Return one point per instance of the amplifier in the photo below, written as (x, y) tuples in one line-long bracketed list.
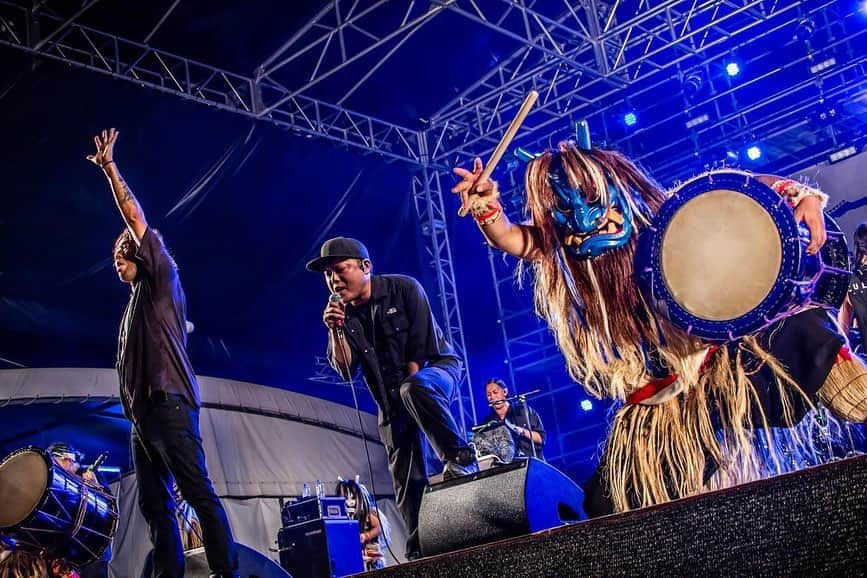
[(321, 548), (313, 508)]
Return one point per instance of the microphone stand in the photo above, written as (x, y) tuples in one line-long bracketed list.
[(522, 397)]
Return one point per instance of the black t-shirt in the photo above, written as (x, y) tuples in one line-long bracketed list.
[(518, 416), (858, 298), (151, 347)]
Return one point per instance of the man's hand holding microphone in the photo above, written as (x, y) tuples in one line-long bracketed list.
[(335, 312)]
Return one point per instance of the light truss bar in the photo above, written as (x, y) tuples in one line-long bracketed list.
[(473, 126), (316, 56), (143, 65)]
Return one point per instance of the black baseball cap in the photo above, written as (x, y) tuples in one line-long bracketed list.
[(337, 249)]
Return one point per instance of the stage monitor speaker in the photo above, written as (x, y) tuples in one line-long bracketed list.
[(520, 498), (251, 564), (323, 548)]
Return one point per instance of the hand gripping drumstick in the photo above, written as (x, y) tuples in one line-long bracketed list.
[(528, 103)]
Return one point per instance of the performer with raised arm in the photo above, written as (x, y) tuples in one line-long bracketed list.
[(689, 411), (158, 387), (384, 324)]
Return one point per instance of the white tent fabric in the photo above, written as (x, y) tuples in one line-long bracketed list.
[(261, 444), (255, 523)]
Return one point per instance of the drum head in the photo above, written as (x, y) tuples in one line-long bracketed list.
[(721, 255), (23, 479)]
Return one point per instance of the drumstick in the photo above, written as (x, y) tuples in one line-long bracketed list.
[(510, 133)]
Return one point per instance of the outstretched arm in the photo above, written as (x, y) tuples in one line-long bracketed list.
[(518, 240), (129, 207)]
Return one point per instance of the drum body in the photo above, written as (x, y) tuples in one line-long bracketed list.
[(725, 258), (46, 510), (496, 441)]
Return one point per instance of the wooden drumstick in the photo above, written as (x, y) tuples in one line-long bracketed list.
[(510, 133)]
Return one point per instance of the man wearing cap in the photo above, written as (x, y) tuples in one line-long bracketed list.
[(384, 324)]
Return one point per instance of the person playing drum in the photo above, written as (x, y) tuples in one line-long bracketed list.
[(522, 421), (688, 409), (69, 459)]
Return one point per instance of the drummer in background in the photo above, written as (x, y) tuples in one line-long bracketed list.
[(514, 417), (69, 459), (855, 305)]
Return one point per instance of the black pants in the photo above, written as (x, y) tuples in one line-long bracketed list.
[(806, 344), (423, 406), (166, 444)]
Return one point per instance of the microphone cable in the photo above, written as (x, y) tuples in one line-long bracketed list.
[(340, 338)]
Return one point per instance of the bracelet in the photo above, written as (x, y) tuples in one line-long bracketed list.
[(795, 192), (105, 164), (491, 216)]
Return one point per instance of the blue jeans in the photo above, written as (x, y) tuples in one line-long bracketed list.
[(166, 444), (421, 405)]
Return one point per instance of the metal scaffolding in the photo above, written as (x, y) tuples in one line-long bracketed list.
[(588, 59)]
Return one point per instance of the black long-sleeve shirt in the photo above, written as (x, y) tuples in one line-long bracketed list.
[(394, 327)]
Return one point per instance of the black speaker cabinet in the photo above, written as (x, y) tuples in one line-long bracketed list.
[(321, 548), (520, 498)]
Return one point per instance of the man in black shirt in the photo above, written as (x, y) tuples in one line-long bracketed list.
[(384, 324), (514, 417), (158, 387)]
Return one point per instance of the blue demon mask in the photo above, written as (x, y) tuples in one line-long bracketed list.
[(582, 226)]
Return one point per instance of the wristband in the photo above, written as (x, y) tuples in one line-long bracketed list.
[(795, 192)]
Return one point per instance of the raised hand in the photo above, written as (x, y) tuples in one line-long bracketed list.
[(104, 147), (476, 195)]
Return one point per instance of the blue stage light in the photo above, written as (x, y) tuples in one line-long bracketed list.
[(863, 8), (733, 69), (754, 153), (630, 118), (586, 404)]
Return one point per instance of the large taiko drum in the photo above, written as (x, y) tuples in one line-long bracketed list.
[(725, 258), (48, 511)]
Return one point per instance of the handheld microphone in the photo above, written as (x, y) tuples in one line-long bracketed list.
[(98, 462), (335, 298)]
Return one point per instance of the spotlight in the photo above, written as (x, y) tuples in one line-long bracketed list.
[(823, 65), (586, 404), (754, 153), (863, 8), (733, 69), (630, 119), (805, 29), (692, 84), (697, 120), (842, 154)]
